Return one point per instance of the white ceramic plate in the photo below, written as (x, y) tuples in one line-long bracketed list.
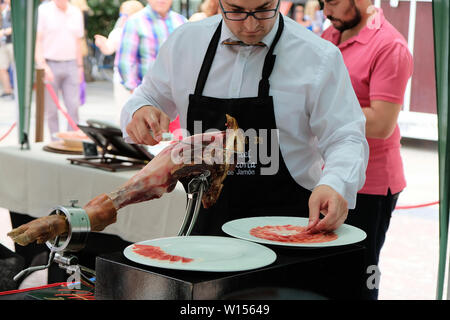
[(213, 254), (240, 228)]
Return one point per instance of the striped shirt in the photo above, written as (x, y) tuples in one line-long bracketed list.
[(142, 37)]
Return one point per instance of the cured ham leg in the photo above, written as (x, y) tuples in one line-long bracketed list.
[(214, 151)]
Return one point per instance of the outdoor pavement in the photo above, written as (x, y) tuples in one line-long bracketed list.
[(409, 259)]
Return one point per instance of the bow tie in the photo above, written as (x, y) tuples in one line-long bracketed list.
[(240, 43)]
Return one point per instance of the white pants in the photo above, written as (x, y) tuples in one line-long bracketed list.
[(66, 81), (121, 95)]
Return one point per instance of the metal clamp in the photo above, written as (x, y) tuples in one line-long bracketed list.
[(73, 241), (79, 228), (196, 187)]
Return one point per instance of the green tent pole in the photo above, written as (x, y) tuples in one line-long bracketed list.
[(24, 19), (441, 13)]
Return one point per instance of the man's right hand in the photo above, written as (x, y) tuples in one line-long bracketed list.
[(49, 77), (145, 119), (102, 43)]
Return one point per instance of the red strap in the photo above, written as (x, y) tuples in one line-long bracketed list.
[(417, 205), (8, 132), (56, 101), (34, 288)]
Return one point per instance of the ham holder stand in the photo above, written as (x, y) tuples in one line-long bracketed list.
[(335, 272), (62, 247)]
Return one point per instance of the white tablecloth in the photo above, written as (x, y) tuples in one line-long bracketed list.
[(35, 181)]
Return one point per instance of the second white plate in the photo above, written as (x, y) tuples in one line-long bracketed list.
[(208, 253), (240, 228)]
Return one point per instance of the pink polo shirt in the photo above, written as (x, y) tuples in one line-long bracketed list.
[(379, 64), (60, 30)]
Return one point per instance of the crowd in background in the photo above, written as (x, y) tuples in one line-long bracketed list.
[(132, 56), (310, 16)]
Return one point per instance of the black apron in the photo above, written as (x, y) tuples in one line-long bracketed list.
[(245, 194)]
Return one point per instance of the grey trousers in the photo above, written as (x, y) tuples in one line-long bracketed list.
[(67, 83)]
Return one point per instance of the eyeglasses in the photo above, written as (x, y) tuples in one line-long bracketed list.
[(242, 15)]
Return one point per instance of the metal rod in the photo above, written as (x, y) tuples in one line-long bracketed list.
[(196, 187), (196, 209), (36, 268), (188, 215)]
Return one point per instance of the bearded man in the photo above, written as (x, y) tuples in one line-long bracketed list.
[(379, 64)]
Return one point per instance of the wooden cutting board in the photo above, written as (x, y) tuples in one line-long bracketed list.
[(60, 147)]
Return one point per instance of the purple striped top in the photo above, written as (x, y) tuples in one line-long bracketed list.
[(142, 36)]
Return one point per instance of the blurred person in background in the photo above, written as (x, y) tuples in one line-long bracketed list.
[(142, 37), (208, 8), (299, 16), (60, 31), (111, 45), (84, 7), (6, 48), (314, 15), (379, 63)]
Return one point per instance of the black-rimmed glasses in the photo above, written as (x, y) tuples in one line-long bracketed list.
[(257, 14)]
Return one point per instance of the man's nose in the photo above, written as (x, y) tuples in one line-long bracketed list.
[(251, 23), (326, 10)]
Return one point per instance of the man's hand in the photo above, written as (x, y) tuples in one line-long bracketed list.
[(102, 43), (49, 77), (331, 204), (81, 73), (145, 119)]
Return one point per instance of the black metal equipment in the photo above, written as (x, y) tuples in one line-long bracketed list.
[(62, 247), (116, 154)]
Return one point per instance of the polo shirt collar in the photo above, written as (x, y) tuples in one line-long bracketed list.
[(155, 15), (365, 34), (55, 7)]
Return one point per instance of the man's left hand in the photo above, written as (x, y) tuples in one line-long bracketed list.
[(331, 204), (80, 74)]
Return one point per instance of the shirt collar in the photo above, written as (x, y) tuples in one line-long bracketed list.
[(55, 7), (155, 15), (365, 34), (227, 35)]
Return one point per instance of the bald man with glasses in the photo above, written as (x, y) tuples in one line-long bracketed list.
[(270, 74)]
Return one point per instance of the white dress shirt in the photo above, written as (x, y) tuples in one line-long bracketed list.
[(321, 125)]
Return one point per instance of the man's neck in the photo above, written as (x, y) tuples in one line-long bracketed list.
[(161, 14), (349, 33), (63, 9)]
